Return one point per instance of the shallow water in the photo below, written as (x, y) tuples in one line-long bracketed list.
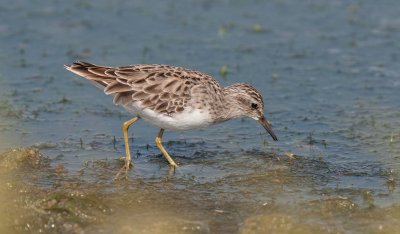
[(330, 78)]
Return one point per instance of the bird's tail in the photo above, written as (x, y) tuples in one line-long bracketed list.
[(97, 74)]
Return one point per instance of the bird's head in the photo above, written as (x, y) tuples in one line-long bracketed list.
[(248, 102)]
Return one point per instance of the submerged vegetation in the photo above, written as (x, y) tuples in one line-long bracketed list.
[(40, 196), (328, 71)]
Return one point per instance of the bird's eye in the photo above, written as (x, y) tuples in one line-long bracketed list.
[(254, 105)]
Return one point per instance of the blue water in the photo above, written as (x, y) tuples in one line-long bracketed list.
[(328, 71)]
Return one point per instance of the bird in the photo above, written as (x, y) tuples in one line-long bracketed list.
[(172, 98)]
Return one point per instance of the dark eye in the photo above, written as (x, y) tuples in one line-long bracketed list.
[(254, 105)]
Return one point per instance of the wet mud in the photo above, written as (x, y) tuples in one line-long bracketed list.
[(329, 74)]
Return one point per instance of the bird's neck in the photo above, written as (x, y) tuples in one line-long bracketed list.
[(231, 105)]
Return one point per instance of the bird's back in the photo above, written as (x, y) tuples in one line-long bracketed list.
[(161, 88)]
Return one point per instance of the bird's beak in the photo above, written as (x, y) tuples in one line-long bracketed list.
[(264, 122)]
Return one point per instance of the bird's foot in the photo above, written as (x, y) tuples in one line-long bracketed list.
[(124, 170)]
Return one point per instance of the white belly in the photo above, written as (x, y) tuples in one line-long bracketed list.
[(185, 120)]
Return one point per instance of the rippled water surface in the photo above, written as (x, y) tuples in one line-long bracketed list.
[(330, 77)]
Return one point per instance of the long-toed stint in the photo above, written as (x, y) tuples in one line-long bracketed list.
[(173, 98)]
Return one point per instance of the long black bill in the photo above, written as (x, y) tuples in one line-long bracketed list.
[(263, 121)]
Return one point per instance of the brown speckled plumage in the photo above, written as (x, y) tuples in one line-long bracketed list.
[(163, 88), (170, 90), (173, 98)]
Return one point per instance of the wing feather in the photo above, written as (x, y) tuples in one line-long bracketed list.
[(162, 88), (117, 87)]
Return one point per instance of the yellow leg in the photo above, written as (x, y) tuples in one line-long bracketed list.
[(163, 151), (125, 127)]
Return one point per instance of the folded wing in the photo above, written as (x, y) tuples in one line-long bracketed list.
[(162, 88)]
